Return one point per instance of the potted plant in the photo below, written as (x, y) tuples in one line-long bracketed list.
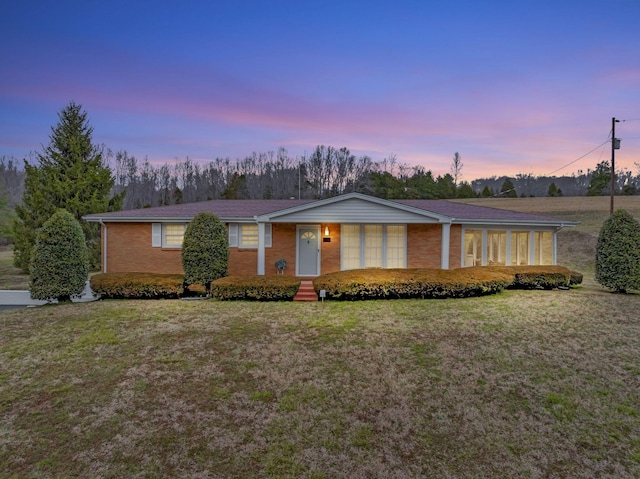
[(281, 265)]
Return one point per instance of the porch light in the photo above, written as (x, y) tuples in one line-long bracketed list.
[(326, 231)]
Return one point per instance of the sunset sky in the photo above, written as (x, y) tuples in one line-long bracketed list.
[(517, 86)]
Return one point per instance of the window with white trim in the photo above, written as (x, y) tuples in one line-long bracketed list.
[(245, 235), (248, 237), (472, 247), (173, 234), (520, 248), (396, 246), (496, 247), (373, 246), (543, 243)]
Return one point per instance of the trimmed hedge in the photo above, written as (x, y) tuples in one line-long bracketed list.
[(377, 283), (539, 277), (411, 283), (255, 288), (138, 285)]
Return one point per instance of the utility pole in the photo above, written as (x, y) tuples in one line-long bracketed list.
[(615, 144)]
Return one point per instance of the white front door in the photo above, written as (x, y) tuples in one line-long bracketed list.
[(308, 251)]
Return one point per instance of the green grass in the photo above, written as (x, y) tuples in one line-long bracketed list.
[(518, 385), (10, 276)]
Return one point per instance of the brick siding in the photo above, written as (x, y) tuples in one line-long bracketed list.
[(129, 250)]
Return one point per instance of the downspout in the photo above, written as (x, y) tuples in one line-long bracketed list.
[(104, 246)]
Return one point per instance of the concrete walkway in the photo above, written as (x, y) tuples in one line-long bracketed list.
[(10, 299)]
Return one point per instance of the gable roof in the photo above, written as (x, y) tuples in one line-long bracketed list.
[(351, 207)]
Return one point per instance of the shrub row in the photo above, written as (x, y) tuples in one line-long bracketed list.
[(345, 285), (256, 288), (539, 277), (138, 285), (411, 283), (436, 283)]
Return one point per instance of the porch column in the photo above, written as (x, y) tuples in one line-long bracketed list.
[(446, 239), (261, 249)]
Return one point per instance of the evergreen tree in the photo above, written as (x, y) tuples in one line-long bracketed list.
[(465, 191), (59, 265), (486, 192), (205, 250), (508, 190), (70, 174), (600, 180), (618, 253), (553, 190)]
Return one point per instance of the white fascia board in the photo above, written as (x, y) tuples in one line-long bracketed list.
[(516, 223)]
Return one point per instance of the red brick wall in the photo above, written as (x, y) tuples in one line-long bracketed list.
[(243, 262), (330, 251), (283, 239), (129, 250), (423, 245), (455, 246)]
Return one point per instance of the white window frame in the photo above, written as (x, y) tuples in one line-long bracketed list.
[(363, 244), (236, 235), (165, 243), (530, 255)]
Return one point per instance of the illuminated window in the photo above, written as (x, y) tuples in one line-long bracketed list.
[(543, 247), (473, 247), (173, 235), (497, 247), (350, 241), (520, 248), (243, 235), (248, 236), (396, 246), (373, 246)]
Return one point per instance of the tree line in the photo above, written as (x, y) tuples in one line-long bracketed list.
[(73, 173), (326, 172)]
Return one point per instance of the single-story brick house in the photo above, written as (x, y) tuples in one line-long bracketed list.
[(340, 233)]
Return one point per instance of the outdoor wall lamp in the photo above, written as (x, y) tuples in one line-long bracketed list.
[(326, 230)]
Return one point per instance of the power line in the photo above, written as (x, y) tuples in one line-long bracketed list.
[(578, 159)]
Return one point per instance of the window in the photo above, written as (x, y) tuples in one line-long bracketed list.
[(543, 247), (396, 246), (497, 247), (243, 235), (520, 248), (473, 247), (507, 247), (173, 234), (248, 236), (373, 246), (350, 240)]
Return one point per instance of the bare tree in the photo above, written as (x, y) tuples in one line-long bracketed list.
[(456, 168)]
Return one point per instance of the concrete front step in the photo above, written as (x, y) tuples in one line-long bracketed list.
[(306, 292)]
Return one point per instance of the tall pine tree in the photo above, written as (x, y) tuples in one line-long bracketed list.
[(72, 174)]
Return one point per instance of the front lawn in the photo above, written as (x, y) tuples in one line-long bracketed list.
[(524, 384)]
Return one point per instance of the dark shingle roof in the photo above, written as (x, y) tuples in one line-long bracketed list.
[(229, 210), (221, 208), (472, 212)]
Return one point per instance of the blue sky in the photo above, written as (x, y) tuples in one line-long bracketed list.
[(514, 86)]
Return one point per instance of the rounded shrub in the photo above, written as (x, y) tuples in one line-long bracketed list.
[(618, 253), (60, 262), (205, 250)]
